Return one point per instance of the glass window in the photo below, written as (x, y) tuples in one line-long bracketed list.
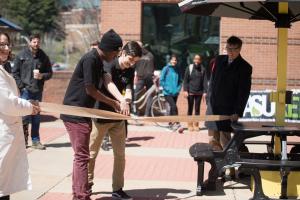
[(166, 30)]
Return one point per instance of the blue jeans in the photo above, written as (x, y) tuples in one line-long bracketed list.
[(33, 119)]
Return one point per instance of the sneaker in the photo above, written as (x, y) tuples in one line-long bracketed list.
[(120, 195), (38, 145), (229, 174), (175, 126), (180, 130)]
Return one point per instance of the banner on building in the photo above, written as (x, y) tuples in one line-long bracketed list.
[(259, 107)]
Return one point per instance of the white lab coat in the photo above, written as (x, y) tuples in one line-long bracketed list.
[(14, 167)]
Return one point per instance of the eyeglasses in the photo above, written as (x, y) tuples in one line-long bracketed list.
[(4, 45), (231, 49)]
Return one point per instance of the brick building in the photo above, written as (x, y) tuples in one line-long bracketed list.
[(133, 20), (260, 38)]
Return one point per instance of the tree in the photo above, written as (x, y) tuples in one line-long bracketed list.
[(35, 16)]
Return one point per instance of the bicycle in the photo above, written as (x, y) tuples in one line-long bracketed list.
[(159, 105)]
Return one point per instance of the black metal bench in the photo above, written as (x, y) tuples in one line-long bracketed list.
[(252, 167), (231, 154), (269, 144), (260, 142), (202, 152)]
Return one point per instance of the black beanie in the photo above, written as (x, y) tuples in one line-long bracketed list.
[(110, 41)]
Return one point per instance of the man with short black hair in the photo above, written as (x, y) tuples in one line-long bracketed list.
[(31, 69), (83, 91), (228, 92)]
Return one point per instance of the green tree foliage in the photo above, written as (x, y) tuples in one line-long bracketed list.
[(35, 15)]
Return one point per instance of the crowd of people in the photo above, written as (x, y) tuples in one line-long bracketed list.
[(104, 79)]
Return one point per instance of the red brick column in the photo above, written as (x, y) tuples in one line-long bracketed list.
[(55, 88), (123, 16), (260, 46)]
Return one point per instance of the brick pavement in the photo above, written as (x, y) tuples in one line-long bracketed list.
[(158, 166)]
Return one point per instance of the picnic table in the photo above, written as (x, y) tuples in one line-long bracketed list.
[(251, 163)]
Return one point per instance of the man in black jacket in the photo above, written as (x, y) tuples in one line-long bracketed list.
[(228, 92), (31, 69)]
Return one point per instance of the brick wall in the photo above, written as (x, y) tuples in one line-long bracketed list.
[(123, 16), (55, 88), (259, 49), (260, 37)]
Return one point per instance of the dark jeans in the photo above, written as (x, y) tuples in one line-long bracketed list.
[(80, 137), (194, 100), (172, 101), (4, 198), (33, 119), (141, 83)]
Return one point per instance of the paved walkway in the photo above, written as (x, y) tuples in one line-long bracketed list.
[(158, 167)]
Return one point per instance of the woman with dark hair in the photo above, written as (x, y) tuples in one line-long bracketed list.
[(170, 80), (13, 157), (119, 82), (194, 87), (6, 64)]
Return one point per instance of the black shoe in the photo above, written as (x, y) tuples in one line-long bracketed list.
[(4, 198), (209, 186), (120, 195)]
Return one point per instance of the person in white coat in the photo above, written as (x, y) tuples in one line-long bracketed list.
[(13, 157)]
